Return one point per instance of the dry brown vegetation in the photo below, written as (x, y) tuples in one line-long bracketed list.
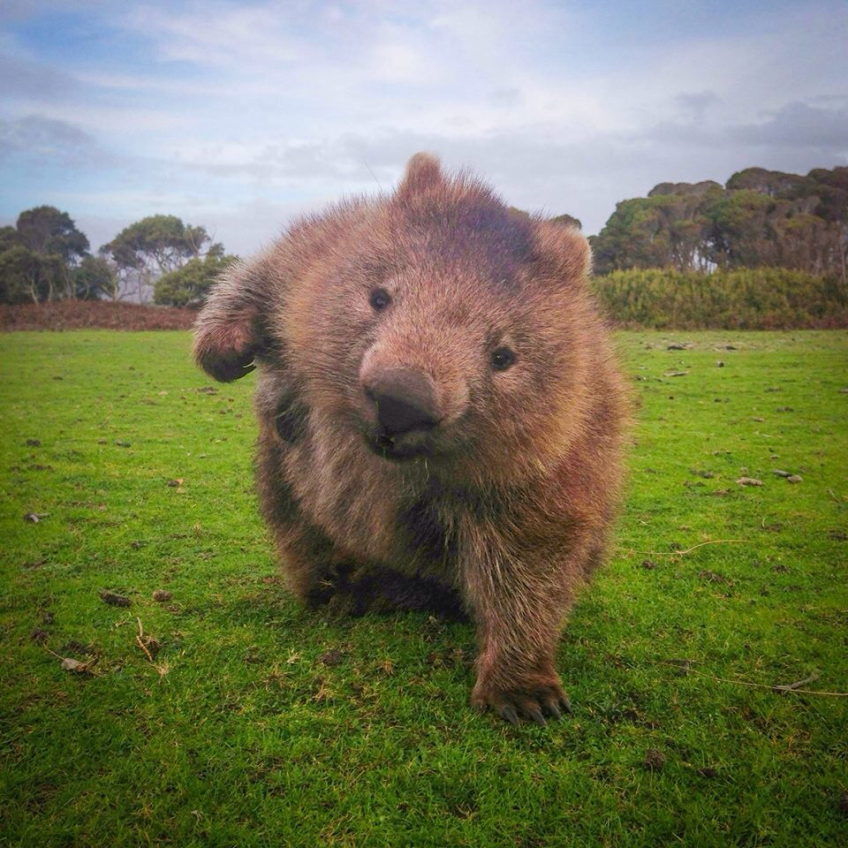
[(87, 315)]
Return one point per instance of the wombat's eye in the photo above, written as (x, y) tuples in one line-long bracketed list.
[(380, 299), (502, 358)]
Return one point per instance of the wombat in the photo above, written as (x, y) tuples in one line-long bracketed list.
[(440, 416)]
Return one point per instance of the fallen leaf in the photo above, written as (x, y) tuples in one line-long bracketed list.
[(77, 667), (162, 595)]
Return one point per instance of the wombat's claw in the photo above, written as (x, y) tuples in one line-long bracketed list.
[(536, 714), (534, 702), (508, 712), (558, 705)]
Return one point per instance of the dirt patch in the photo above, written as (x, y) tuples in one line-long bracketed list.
[(88, 315)]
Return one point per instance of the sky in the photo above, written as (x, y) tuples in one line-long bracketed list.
[(240, 116)]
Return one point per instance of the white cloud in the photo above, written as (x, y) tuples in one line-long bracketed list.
[(245, 111)]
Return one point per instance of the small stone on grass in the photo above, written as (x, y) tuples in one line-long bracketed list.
[(114, 599), (39, 635), (654, 759)]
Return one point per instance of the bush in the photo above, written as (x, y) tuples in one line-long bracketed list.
[(748, 298), (189, 285)]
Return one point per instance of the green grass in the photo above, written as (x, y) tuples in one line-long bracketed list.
[(249, 738)]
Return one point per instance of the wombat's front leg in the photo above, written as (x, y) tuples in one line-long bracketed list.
[(518, 606)]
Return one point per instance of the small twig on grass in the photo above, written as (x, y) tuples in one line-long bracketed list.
[(689, 550), (781, 689), (140, 641), (788, 687), (145, 643)]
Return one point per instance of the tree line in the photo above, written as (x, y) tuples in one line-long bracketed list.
[(45, 257), (758, 219)]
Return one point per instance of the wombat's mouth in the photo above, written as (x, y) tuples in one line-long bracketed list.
[(400, 447)]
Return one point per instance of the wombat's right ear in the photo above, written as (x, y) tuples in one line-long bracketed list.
[(423, 172), (230, 330), (566, 249)]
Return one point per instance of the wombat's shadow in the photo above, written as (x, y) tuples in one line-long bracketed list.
[(273, 606)]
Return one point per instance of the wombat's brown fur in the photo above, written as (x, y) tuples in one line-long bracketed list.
[(440, 415)]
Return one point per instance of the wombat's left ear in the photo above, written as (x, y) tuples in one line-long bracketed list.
[(423, 172), (230, 330), (566, 248)]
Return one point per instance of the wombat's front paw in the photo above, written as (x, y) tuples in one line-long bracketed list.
[(534, 699)]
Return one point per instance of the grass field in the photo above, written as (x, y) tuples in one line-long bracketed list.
[(256, 724)]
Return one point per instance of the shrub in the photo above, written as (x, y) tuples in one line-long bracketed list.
[(748, 298), (189, 285)]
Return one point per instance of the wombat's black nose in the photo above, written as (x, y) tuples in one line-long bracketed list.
[(404, 398)]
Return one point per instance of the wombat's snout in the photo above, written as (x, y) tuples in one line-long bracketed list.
[(405, 400)]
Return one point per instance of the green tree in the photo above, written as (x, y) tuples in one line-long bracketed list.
[(27, 275), (46, 230), (39, 255), (95, 278), (189, 285), (761, 218), (153, 247), (9, 238)]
